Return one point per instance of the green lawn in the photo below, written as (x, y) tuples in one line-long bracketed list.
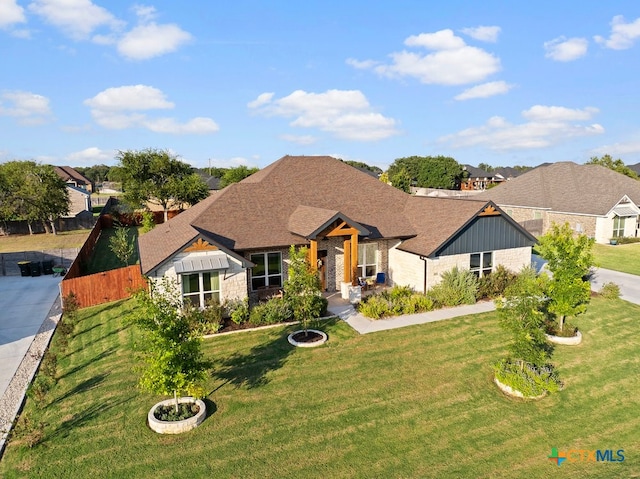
[(624, 257), (408, 403), (103, 258), (39, 242)]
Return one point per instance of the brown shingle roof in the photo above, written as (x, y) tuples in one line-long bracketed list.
[(268, 208), (67, 174), (566, 187), (436, 220)]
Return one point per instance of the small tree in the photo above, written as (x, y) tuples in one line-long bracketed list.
[(121, 245), (172, 349), (521, 313), (570, 259), (302, 289)]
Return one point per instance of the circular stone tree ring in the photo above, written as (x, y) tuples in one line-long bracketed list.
[(309, 339), (177, 427)]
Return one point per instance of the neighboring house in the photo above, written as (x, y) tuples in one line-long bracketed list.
[(235, 243), (74, 178), (79, 201), (505, 173), (478, 179), (594, 200)]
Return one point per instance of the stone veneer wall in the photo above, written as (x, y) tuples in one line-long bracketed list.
[(578, 223), (233, 281)]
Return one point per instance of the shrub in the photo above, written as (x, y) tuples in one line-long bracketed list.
[(417, 303), (71, 307), (204, 321), (493, 285), (238, 310), (49, 364), (610, 291), (527, 378), (28, 432), (39, 388), (274, 311), (628, 240), (147, 222), (458, 286), (375, 307)]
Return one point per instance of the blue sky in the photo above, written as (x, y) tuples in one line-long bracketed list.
[(247, 82)]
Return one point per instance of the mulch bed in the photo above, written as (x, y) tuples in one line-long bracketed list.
[(308, 337)]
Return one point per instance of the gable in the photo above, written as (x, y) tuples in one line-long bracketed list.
[(485, 233)]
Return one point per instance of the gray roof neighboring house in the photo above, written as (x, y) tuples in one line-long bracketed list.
[(477, 172), (70, 175), (566, 187)]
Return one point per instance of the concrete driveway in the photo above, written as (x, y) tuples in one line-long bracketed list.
[(24, 305), (629, 283)]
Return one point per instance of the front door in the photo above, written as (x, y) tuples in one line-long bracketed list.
[(322, 268)]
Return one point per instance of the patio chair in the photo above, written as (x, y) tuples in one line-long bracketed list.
[(381, 279)]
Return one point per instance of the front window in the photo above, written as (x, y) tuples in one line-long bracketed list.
[(201, 288), (618, 226), (481, 264), (267, 272), (367, 264)]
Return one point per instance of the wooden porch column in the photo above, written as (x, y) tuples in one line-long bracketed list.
[(346, 277), (354, 258), (313, 255)]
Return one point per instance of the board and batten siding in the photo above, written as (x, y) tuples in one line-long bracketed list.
[(485, 233)]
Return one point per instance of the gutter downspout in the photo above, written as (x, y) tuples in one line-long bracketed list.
[(424, 286)]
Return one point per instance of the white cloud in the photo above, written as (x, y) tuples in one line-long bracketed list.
[(483, 33), (565, 50), (547, 126), (299, 139), (124, 107), (485, 90), (345, 114), (29, 108), (452, 63), (262, 99), (361, 65), (11, 13), (76, 18), (618, 149), (442, 40), (558, 113), (134, 97), (91, 156), (623, 35), (152, 40), (81, 20)]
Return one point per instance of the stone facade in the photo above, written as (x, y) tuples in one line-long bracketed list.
[(233, 281)]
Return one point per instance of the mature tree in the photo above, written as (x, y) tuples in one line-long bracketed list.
[(96, 173), (401, 180), (616, 165), (32, 192), (234, 175), (363, 166), (486, 167), (429, 171), (158, 177), (569, 258)]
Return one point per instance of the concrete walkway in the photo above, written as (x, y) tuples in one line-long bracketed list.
[(345, 311)]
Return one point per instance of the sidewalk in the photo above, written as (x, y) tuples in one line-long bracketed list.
[(345, 311)]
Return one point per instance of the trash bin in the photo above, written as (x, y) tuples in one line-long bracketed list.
[(25, 268), (36, 269), (47, 267)]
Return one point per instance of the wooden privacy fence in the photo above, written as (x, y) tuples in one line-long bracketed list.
[(103, 287)]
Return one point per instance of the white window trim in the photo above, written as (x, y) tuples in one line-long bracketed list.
[(622, 223), (266, 274), (362, 268), (480, 269), (200, 293)]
